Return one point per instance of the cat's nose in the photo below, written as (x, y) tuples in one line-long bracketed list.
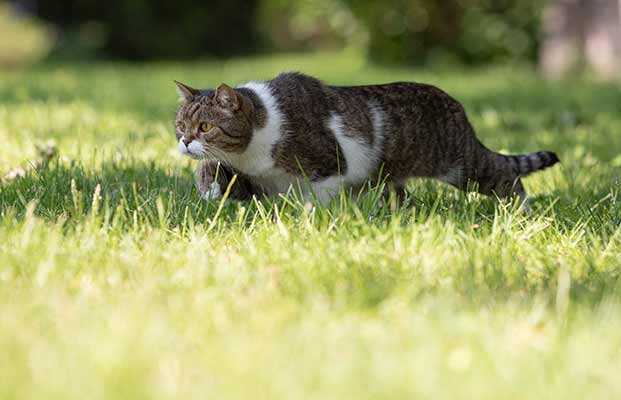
[(187, 140)]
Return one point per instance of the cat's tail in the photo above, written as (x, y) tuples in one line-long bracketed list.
[(525, 164)]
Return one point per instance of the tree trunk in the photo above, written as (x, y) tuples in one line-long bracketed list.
[(581, 34)]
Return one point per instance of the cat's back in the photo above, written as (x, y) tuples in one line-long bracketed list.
[(303, 97), (300, 96), (295, 83), (396, 95)]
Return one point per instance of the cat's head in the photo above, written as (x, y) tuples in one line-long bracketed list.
[(212, 123)]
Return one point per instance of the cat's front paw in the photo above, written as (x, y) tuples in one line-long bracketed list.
[(213, 192)]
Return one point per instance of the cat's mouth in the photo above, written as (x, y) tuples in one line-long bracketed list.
[(193, 149)]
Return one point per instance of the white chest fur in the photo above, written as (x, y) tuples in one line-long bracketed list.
[(256, 161)]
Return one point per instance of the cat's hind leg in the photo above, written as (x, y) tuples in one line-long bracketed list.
[(511, 187), (498, 177), (491, 174), (501, 174)]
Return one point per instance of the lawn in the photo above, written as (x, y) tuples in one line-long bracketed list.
[(118, 282)]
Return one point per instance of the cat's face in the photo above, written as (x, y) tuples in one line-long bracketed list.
[(210, 124)]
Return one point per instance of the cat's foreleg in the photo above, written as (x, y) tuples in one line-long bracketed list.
[(208, 182), (213, 180)]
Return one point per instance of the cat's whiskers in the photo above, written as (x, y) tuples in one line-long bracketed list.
[(196, 150), (294, 128), (218, 155)]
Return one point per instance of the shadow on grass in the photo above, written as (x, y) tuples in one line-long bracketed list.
[(130, 188), (138, 195), (145, 192)]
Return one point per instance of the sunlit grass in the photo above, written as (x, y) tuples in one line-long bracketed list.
[(117, 281)]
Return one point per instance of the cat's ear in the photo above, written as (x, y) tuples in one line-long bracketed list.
[(227, 97), (185, 92)]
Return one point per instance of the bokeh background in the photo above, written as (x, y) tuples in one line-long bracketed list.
[(563, 37), (117, 281)]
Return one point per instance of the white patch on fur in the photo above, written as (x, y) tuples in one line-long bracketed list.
[(213, 193), (452, 176), (183, 149), (277, 181), (327, 188), (196, 149), (256, 161), (257, 158), (362, 159)]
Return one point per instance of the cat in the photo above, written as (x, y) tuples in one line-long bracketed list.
[(296, 130)]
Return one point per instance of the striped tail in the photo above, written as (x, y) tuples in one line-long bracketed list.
[(526, 164)]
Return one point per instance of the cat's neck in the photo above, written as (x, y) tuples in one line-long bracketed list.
[(256, 159), (259, 114)]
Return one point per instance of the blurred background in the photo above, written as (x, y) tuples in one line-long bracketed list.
[(562, 37)]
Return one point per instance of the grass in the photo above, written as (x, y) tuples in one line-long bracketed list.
[(116, 281)]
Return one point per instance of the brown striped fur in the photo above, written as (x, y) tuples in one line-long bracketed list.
[(425, 133)]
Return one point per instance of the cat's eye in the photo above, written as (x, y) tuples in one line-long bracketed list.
[(205, 127)]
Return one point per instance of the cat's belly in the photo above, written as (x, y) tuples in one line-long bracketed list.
[(275, 181), (278, 181)]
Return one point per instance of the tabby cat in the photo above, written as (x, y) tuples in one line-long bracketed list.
[(296, 130)]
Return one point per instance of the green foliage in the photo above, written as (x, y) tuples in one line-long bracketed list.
[(470, 31), (140, 29), (22, 39), (306, 24), (117, 281), (394, 31)]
